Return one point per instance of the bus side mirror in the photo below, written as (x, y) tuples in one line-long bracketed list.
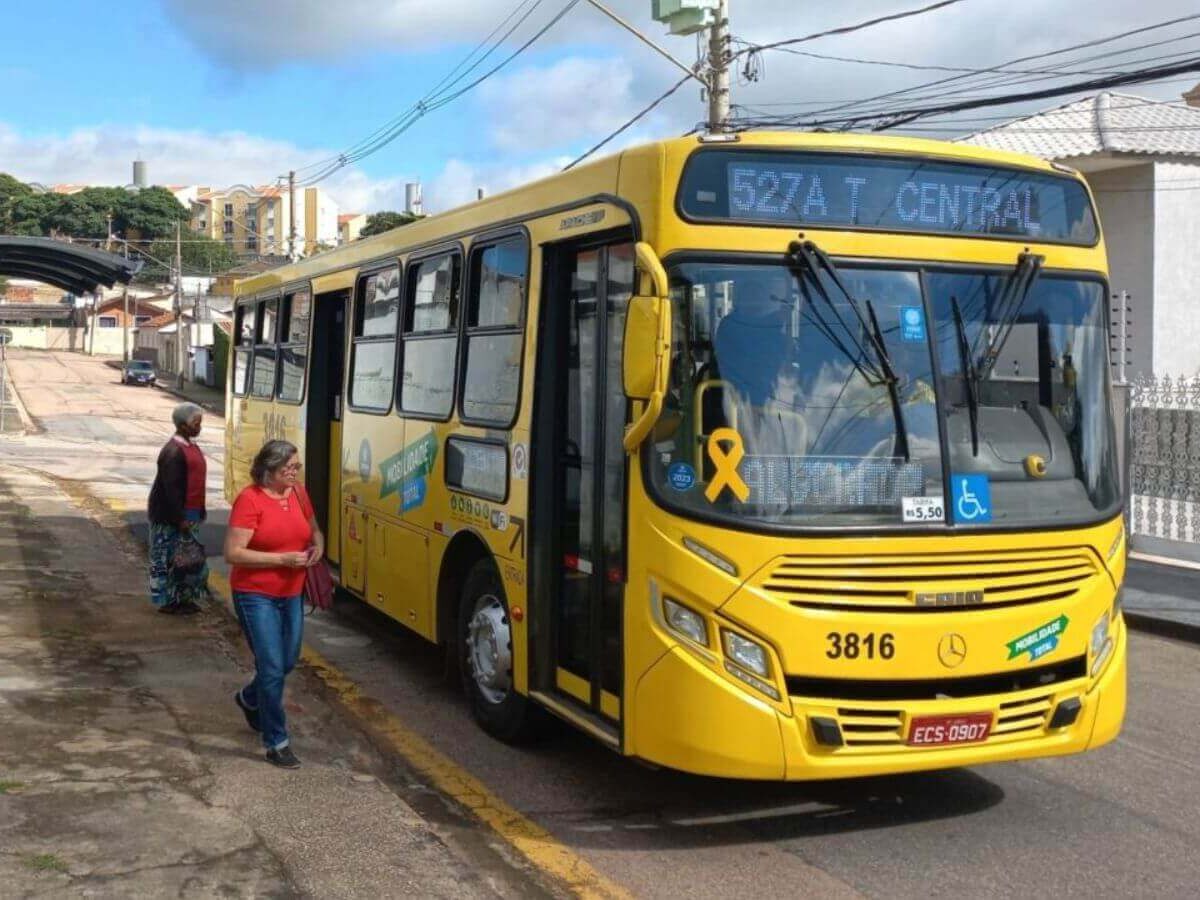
[(647, 347)]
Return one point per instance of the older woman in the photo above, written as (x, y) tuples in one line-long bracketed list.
[(273, 537), (176, 510)]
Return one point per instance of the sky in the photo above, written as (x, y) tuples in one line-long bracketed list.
[(220, 92)]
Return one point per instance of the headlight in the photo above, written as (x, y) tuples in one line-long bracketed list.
[(1099, 635), (1101, 644), (746, 653), (684, 621)]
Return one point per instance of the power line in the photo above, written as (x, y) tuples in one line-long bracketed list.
[(907, 92), (431, 101), (847, 29), (680, 83), (449, 77)]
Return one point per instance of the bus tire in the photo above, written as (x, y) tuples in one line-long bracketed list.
[(485, 656)]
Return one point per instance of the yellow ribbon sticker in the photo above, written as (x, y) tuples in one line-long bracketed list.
[(726, 463)]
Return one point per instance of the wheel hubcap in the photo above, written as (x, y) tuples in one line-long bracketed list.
[(489, 648)]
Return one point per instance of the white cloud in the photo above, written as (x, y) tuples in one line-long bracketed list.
[(104, 156), (459, 180), (552, 106)]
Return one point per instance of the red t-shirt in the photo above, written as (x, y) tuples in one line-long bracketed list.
[(197, 474), (279, 527)]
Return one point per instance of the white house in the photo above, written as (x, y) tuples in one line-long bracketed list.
[(1142, 160)]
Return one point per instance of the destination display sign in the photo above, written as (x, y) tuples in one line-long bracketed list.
[(908, 194)]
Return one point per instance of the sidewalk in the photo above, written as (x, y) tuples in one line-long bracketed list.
[(1163, 599), (126, 770)]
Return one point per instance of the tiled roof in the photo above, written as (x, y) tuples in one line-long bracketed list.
[(347, 217), (1104, 123), (167, 318)]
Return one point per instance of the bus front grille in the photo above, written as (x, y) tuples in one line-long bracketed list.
[(929, 583), (878, 728), (801, 688)]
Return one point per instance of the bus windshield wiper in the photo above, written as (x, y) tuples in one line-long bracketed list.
[(970, 376), (1007, 309), (812, 261)]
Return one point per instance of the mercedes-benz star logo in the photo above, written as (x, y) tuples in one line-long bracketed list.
[(952, 650)]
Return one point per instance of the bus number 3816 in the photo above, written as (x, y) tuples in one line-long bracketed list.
[(848, 645)]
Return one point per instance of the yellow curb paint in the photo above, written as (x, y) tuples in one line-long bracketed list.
[(532, 841)]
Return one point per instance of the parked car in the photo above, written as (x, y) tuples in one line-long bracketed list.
[(138, 371)]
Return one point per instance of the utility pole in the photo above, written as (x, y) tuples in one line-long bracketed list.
[(180, 349), (92, 330), (125, 321), (292, 215), (718, 62), (125, 327)]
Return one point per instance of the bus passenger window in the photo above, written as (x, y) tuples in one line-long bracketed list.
[(373, 355), (431, 337), (293, 345), (263, 382), (243, 337), (495, 318)]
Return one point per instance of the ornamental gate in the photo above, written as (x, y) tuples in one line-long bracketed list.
[(1163, 460)]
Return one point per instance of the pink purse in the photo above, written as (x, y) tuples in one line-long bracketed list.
[(318, 581), (318, 586)]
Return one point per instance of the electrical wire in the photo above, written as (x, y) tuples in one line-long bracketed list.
[(432, 101), (450, 78), (847, 29), (907, 93), (680, 83)]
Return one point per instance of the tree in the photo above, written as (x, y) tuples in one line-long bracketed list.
[(378, 223), (152, 213), (11, 191), (201, 254)]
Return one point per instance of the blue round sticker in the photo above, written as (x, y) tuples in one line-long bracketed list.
[(681, 476)]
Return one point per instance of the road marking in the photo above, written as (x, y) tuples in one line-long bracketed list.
[(532, 841), (752, 815)]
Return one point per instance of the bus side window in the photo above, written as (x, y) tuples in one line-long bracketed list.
[(495, 332), (243, 339), (293, 345), (431, 337), (373, 344), (262, 383)]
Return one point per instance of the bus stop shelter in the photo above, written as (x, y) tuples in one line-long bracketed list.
[(72, 267)]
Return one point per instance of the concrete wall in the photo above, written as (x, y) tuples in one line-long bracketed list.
[(1126, 201), (1176, 269), (42, 337)]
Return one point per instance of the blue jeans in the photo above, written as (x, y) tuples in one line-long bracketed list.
[(274, 628)]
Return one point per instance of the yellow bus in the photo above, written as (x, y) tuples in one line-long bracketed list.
[(773, 456)]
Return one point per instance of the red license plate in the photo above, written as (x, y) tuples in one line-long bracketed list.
[(936, 731)]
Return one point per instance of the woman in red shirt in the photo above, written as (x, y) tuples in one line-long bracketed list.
[(273, 537)]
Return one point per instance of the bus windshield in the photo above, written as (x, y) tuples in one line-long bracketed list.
[(800, 401)]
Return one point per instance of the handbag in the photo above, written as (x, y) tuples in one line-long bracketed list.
[(318, 585), (318, 580), (189, 557)]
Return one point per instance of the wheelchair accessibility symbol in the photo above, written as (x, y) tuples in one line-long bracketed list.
[(972, 499)]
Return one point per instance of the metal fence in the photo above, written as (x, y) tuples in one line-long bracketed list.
[(1162, 458)]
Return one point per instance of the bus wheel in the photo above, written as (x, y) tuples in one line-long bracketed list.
[(485, 651)]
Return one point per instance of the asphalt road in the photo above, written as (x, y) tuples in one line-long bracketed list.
[(1119, 822)]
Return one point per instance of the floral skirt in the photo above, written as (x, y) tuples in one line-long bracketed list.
[(165, 587)]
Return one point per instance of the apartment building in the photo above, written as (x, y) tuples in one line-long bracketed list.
[(257, 221)]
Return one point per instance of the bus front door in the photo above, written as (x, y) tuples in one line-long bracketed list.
[(593, 285), (323, 439)]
